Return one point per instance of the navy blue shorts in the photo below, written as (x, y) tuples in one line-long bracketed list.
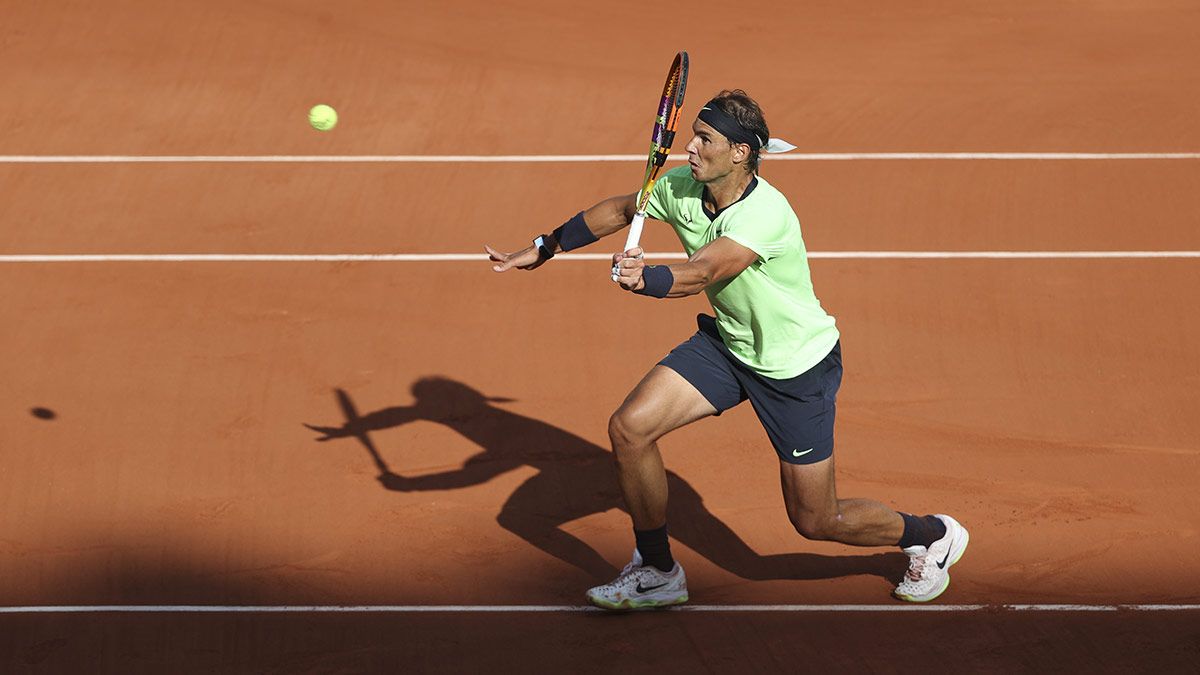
[(797, 412)]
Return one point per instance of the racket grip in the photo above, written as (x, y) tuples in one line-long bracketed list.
[(635, 234), (635, 231)]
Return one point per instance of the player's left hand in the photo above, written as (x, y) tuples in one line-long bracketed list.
[(527, 258), (627, 269)]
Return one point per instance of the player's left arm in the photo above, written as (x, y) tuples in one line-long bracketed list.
[(720, 259), (599, 221)]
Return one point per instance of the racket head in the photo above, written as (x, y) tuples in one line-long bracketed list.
[(665, 123)]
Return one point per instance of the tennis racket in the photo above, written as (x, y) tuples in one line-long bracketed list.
[(660, 141)]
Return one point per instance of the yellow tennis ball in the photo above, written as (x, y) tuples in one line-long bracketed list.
[(322, 117)]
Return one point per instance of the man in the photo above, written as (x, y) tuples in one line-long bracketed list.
[(770, 342)]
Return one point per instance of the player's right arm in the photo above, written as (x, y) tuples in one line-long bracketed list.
[(609, 216)]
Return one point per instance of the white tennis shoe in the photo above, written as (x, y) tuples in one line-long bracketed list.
[(641, 587), (928, 573)]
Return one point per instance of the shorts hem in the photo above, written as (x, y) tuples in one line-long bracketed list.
[(716, 406)]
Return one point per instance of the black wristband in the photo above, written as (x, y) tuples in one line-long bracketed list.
[(657, 281), (545, 249), (573, 234)]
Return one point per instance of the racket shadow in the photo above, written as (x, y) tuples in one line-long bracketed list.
[(575, 479)]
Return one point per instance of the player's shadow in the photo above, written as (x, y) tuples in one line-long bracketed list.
[(575, 479)]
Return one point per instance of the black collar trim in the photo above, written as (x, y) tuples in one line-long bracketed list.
[(712, 215)]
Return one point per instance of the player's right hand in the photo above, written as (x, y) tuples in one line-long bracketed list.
[(526, 259), (627, 269)]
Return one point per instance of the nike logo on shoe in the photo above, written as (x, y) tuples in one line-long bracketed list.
[(797, 453), (942, 565), (647, 589)]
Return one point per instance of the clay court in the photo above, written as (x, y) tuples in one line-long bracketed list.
[(1000, 203)]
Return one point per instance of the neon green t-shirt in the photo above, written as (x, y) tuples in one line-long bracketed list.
[(768, 315)]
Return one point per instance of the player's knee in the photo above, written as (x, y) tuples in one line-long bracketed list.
[(628, 431), (815, 526)]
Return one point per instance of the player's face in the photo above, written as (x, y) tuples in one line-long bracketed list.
[(710, 153)]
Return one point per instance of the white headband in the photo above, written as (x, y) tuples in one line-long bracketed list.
[(777, 145)]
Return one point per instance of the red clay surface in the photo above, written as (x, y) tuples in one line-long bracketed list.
[(1050, 405)]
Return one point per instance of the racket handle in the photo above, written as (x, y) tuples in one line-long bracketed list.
[(635, 234), (635, 231)]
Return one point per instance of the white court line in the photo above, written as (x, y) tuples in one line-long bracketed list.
[(352, 609), (501, 159), (479, 257)]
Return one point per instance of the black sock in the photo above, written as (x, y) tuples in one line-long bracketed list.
[(655, 548), (921, 530)]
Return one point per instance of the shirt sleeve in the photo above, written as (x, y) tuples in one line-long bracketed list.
[(767, 232)]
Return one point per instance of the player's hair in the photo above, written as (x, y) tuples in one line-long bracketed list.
[(738, 104)]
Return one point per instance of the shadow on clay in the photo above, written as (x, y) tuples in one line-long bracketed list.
[(575, 479)]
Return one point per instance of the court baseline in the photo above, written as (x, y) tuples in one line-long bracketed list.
[(406, 609)]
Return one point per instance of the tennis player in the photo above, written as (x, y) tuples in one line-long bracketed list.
[(769, 341)]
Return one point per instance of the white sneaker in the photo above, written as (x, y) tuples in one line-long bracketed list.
[(641, 587), (929, 569)]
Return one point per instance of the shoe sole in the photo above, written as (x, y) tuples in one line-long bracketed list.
[(965, 539), (630, 604)]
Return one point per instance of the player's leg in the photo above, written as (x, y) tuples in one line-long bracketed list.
[(692, 382), (799, 413), (662, 402), (932, 543), (810, 495)]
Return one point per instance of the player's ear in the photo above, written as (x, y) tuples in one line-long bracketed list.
[(740, 152)]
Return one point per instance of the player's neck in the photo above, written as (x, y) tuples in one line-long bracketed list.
[(728, 188)]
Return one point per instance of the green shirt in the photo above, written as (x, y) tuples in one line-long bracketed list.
[(768, 315)]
